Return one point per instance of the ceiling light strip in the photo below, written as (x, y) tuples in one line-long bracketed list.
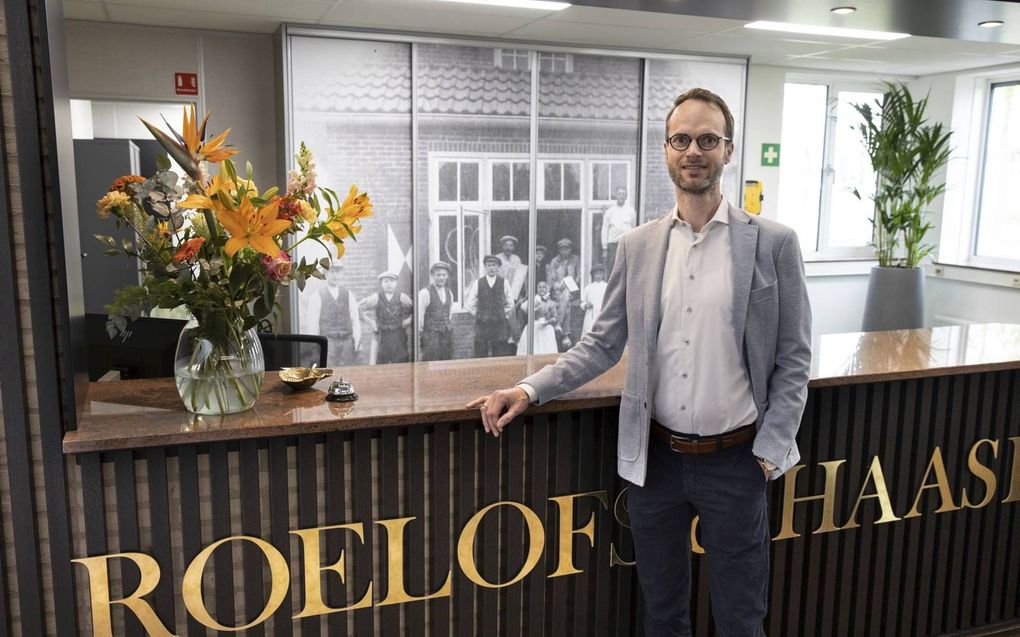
[(837, 32), (541, 5)]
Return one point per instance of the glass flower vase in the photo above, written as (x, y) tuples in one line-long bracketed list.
[(215, 378)]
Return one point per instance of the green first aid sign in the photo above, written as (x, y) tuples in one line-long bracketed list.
[(770, 155)]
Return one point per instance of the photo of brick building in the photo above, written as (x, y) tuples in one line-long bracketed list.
[(444, 150)]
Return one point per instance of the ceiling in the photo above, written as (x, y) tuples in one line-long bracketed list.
[(946, 36)]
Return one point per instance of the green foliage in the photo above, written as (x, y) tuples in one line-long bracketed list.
[(906, 153)]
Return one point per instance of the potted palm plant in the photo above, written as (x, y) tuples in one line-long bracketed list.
[(907, 153)]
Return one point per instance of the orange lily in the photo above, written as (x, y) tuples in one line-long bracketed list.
[(250, 226), (201, 202), (218, 194), (355, 207)]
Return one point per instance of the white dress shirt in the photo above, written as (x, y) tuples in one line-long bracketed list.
[(615, 221), (699, 383)]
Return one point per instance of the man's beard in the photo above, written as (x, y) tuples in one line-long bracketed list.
[(698, 186)]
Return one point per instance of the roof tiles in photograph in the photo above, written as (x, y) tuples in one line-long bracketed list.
[(475, 90)]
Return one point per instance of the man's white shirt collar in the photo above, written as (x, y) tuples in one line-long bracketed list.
[(721, 215)]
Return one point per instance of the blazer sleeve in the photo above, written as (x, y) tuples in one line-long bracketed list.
[(597, 350), (788, 382)]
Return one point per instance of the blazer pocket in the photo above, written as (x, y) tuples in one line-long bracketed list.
[(770, 291), (628, 445)]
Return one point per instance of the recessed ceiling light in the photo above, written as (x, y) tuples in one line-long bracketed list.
[(543, 5), (991, 24), (843, 10), (838, 32)]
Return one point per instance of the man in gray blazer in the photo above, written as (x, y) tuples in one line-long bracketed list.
[(712, 306)]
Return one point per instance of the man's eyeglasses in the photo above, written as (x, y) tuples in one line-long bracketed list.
[(707, 141)]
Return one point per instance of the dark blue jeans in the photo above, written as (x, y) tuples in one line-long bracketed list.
[(727, 490)]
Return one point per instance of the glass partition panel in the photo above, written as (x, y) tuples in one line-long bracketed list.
[(473, 151), (351, 105), (589, 138), (465, 174), (668, 78)]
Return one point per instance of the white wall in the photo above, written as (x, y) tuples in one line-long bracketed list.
[(763, 124), (236, 78), (837, 303), (952, 302)]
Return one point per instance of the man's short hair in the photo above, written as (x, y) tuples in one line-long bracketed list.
[(704, 95)]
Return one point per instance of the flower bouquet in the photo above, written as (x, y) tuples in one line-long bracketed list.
[(220, 248)]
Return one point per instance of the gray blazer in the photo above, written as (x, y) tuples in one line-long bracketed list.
[(771, 322)]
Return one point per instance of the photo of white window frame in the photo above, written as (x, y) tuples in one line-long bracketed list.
[(481, 208)]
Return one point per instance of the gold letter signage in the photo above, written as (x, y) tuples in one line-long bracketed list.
[(873, 486), (99, 588), (191, 589)]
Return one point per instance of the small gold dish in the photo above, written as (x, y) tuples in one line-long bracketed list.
[(301, 378)]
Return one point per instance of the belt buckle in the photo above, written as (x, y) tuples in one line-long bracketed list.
[(675, 440)]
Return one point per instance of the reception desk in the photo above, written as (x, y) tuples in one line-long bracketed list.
[(398, 515)]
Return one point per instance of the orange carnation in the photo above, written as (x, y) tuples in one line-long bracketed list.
[(189, 249), (120, 184)]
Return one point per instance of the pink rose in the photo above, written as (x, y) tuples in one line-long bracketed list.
[(279, 267)]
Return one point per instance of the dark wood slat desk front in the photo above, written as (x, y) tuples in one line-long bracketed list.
[(900, 519)]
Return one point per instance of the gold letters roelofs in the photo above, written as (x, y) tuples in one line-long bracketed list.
[(932, 493)]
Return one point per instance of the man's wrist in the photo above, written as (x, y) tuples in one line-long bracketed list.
[(528, 390), (766, 464)]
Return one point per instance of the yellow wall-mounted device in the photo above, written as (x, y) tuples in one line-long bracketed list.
[(753, 196)]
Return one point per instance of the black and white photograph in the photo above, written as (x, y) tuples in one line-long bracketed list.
[(472, 157)]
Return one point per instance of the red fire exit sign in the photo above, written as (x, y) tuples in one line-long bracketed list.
[(185, 83)]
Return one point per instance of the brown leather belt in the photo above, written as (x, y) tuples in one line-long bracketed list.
[(685, 443)]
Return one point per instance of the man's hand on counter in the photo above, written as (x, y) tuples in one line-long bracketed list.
[(500, 407)]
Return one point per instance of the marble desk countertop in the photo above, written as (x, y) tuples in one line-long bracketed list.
[(146, 413)]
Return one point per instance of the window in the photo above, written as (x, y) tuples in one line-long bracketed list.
[(555, 62), (519, 60), (513, 59), (510, 181), (458, 181), (823, 161), (998, 218), (561, 181), (606, 178)]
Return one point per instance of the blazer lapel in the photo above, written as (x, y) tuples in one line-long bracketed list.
[(653, 289), (743, 247)]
